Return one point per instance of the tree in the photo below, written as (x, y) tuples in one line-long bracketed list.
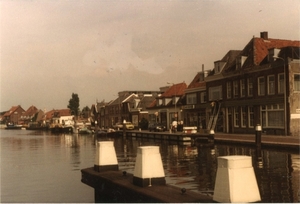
[(74, 104)]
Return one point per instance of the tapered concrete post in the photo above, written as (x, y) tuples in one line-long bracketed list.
[(235, 181), (106, 158), (148, 168)]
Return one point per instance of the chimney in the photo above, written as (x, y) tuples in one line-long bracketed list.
[(264, 35), (202, 67)]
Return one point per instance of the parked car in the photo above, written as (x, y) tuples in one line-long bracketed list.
[(118, 126), (128, 125), (156, 127)]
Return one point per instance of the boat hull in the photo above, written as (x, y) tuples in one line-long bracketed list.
[(67, 129)]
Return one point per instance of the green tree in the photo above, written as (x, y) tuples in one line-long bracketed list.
[(74, 104)]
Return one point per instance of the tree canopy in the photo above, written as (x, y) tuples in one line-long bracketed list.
[(74, 104)]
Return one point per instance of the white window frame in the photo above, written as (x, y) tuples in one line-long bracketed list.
[(229, 89), (273, 113), (297, 82), (236, 116), (235, 89), (250, 116), (203, 97), (261, 86), (243, 117), (191, 98), (243, 88), (281, 83), (250, 86), (271, 85), (215, 93)]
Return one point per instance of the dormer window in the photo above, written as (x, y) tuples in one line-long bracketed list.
[(273, 53), (219, 66), (166, 101), (240, 62)]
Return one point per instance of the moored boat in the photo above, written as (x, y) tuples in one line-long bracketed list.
[(12, 126)]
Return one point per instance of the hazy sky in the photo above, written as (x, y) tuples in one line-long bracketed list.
[(51, 49)]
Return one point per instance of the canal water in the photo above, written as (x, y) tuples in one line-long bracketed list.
[(41, 167)]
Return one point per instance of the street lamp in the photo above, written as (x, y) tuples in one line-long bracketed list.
[(284, 81), (175, 115)]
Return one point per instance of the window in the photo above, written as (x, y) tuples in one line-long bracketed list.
[(228, 85), (261, 86), (215, 93), (166, 101), (203, 97), (236, 116), (235, 89), (159, 102), (271, 85), (191, 98), (250, 87), (273, 115), (250, 116), (243, 117), (281, 83), (243, 88), (296, 82)]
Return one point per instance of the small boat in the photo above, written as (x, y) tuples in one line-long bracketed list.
[(85, 131), (61, 128), (12, 126)]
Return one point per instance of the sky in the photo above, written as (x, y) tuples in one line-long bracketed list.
[(97, 48)]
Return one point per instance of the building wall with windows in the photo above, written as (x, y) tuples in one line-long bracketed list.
[(252, 89), (294, 97)]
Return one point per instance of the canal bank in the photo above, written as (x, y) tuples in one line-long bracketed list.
[(270, 141), (267, 141)]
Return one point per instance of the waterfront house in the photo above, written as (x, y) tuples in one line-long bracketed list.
[(13, 115), (261, 86), (30, 115), (167, 106), (58, 116), (129, 106)]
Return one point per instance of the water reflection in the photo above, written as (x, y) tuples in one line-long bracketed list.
[(40, 167), (195, 167)]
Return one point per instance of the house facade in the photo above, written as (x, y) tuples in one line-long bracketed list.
[(129, 106), (13, 115), (167, 107), (257, 85)]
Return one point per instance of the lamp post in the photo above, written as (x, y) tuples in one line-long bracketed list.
[(284, 92), (175, 115)]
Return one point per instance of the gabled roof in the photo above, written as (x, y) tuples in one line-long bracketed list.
[(12, 110), (229, 59), (174, 90), (152, 104), (58, 113), (258, 49), (31, 111), (196, 83)]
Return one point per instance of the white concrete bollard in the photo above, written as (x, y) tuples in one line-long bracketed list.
[(106, 158), (148, 168), (235, 180)]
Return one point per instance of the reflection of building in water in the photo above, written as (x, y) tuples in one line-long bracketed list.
[(278, 178), (207, 168), (295, 158)]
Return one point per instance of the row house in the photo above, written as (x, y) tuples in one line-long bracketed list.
[(57, 116), (167, 107), (32, 115), (129, 106), (257, 85), (13, 115)]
